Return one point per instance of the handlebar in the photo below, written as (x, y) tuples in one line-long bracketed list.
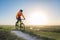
[(22, 19)]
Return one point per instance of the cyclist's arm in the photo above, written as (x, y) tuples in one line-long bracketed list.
[(23, 16)]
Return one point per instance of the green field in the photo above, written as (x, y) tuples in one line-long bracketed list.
[(44, 32), (5, 33)]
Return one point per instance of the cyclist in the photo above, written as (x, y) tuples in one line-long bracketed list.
[(18, 16)]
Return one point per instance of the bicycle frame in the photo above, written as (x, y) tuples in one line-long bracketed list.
[(20, 23)]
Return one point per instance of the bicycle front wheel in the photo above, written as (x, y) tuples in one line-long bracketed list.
[(22, 27)]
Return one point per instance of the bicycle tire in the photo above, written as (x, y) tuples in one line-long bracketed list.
[(17, 26), (22, 26)]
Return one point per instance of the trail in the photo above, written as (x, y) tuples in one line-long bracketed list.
[(24, 35)]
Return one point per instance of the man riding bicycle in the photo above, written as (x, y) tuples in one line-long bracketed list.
[(18, 16)]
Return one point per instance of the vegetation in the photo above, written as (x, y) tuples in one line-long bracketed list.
[(45, 32), (5, 33)]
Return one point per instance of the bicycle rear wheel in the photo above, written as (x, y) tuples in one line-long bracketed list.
[(17, 26)]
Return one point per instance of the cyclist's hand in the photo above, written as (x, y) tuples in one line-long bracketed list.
[(24, 18)]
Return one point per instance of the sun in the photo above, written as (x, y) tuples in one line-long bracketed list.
[(38, 18)]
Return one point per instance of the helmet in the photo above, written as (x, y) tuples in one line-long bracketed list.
[(21, 10)]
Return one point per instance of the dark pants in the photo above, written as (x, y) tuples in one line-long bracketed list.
[(18, 19)]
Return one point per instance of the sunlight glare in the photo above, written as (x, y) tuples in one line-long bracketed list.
[(38, 18)]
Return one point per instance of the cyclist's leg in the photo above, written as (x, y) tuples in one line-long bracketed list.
[(20, 21), (17, 22)]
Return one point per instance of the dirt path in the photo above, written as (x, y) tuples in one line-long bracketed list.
[(24, 35)]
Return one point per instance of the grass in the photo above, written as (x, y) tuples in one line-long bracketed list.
[(5, 33), (47, 32), (44, 32)]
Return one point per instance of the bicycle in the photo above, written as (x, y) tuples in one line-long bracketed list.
[(20, 25)]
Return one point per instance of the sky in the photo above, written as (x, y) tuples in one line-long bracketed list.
[(9, 8)]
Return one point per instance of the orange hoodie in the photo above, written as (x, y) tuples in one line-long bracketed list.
[(19, 14)]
